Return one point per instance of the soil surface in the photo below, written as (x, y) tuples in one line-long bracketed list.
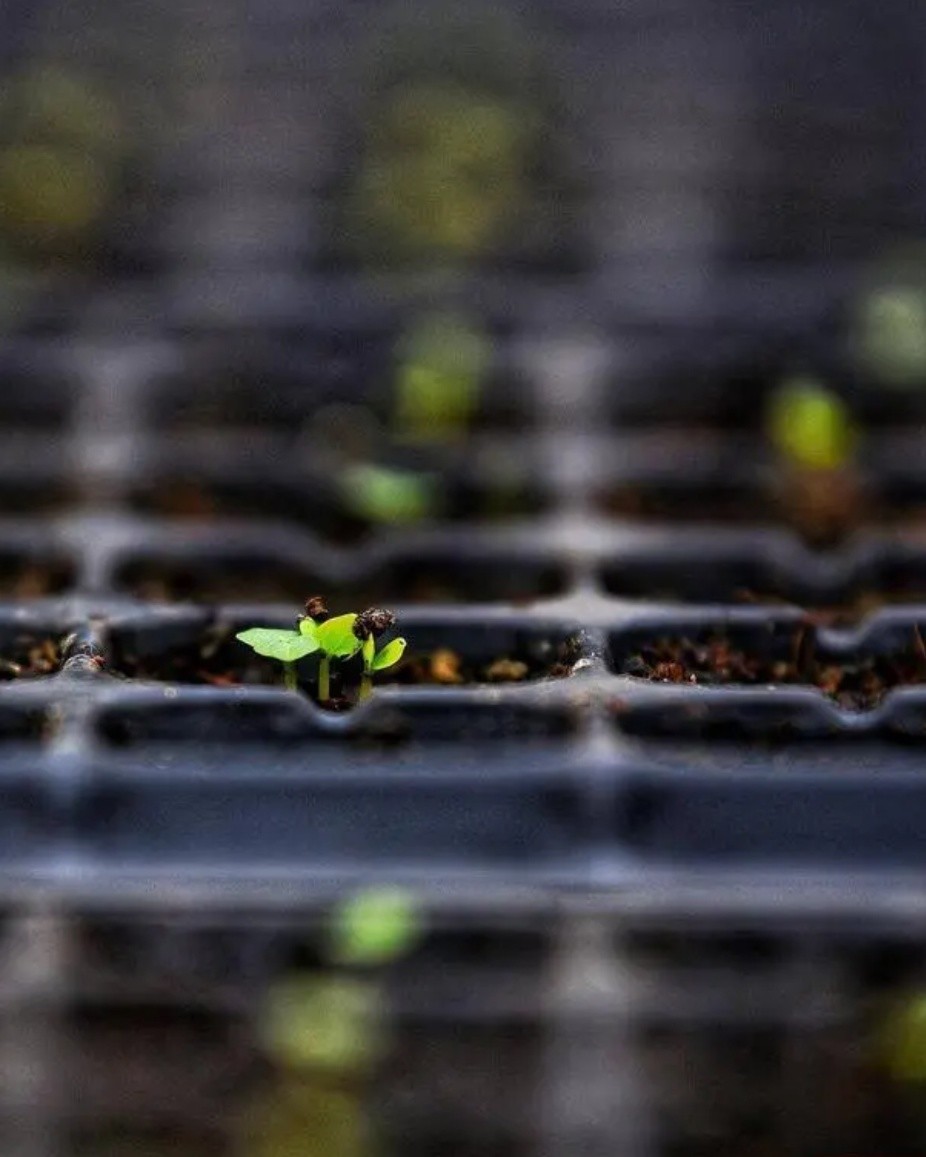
[(29, 656), (446, 667), (221, 661), (857, 685), (28, 580)]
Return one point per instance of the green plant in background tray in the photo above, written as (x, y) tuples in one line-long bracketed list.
[(326, 1031), (810, 426)]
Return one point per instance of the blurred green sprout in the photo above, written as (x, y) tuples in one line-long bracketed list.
[(336, 1022), (64, 143), (891, 335), (810, 427), (384, 495), (442, 363), (444, 173), (375, 926), (903, 1039)]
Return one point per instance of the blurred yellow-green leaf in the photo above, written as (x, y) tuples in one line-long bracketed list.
[(323, 1022), (382, 494), (903, 1042), (891, 335), (443, 176), (303, 1117), (378, 924), (443, 360), (810, 426)]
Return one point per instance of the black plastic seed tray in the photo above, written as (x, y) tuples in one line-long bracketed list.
[(566, 742), (200, 1031), (674, 1019)]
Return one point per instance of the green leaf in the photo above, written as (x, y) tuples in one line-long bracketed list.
[(336, 637), (381, 494), (317, 1021), (309, 628), (389, 655), (285, 646), (810, 425), (375, 926)]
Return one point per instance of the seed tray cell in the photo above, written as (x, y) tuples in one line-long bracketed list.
[(392, 720), (856, 668), (391, 576), (202, 649), (275, 483), (837, 587), (255, 385)]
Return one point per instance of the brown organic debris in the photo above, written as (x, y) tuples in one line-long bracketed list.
[(316, 609), (858, 683), (506, 671), (373, 621), (445, 666)]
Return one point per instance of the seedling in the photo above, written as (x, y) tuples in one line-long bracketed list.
[(442, 363), (336, 640), (815, 438), (380, 494), (891, 336), (368, 626), (810, 427), (287, 647), (336, 1022), (340, 638)]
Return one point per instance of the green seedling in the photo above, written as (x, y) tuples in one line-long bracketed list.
[(383, 495), (810, 427), (442, 363), (890, 333), (903, 1039), (342, 637), (445, 173), (336, 640), (287, 647), (336, 1022), (374, 926), (374, 661)]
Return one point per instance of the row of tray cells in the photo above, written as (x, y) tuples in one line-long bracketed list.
[(446, 367), (191, 569), (686, 655), (742, 1042), (358, 501), (345, 135)]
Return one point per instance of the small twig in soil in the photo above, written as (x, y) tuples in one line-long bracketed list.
[(805, 646), (920, 647)]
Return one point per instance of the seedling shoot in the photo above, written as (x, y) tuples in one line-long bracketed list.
[(335, 639)]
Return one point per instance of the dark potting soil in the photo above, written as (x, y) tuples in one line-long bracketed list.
[(858, 684), (446, 667), (221, 661)]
